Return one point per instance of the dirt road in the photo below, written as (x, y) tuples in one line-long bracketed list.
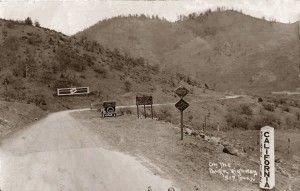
[(59, 153)]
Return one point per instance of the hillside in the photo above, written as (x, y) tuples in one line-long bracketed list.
[(17, 115), (226, 48), (35, 61)]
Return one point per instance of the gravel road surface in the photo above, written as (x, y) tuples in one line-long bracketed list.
[(58, 153)]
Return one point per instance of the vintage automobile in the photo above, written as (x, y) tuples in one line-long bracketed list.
[(109, 109)]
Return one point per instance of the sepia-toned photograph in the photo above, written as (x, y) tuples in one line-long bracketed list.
[(149, 95)]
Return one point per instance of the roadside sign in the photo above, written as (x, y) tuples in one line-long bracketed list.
[(267, 158), (73, 91), (144, 100), (181, 91), (181, 105)]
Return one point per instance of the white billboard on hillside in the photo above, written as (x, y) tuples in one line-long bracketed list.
[(73, 91)]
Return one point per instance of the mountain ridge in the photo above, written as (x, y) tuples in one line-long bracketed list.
[(246, 53)]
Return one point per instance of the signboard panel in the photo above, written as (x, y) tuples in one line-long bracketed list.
[(144, 100), (181, 91), (181, 105), (73, 91), (267, 158)]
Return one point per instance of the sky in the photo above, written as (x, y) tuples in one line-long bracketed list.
[(72, 16)]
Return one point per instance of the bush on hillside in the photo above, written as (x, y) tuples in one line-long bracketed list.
[(12, 43), (298, 115), (34, 39), (67, 58), (296, 125), (66, 81), (285, 108), (163, 114), (28, 21), (267, 120), (39, 100), (269, 106), (37, 23), (101, 71), (236, 121), (145, 78), (128, 86), (245, 109), (125, 111), (10, 24)]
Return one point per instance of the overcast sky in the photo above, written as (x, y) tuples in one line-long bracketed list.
[(71, 16)]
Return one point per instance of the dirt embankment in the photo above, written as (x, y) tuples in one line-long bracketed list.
[(14, 115), (187, 162)]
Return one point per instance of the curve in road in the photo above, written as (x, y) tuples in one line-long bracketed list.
[(59, 154)]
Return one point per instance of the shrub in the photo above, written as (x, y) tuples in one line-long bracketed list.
[(145, 78), (17, 71), (155, 68), (66, 57), (260, 99), (297, 103), (236, 121), (66, 82), (191, 118), (163, 114), (282, 101), (286, 109), (269, 106), (296, 125), (245, 109), (125, 110), (267, 120), (12, 43), (288, 121), (298, 115), (127, 86), (28, 21), (101, 71), (275, 101), (37, 24), (39, 100), (35, 39), (10, 24)]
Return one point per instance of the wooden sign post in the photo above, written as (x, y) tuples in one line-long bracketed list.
[(144, 100), (181, 105)]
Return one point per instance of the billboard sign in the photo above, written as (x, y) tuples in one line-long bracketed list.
[(73, 91), (144, 100)]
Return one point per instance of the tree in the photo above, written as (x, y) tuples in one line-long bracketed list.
[(28, 21), (29, 66), (37, 24), (127, 86)]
